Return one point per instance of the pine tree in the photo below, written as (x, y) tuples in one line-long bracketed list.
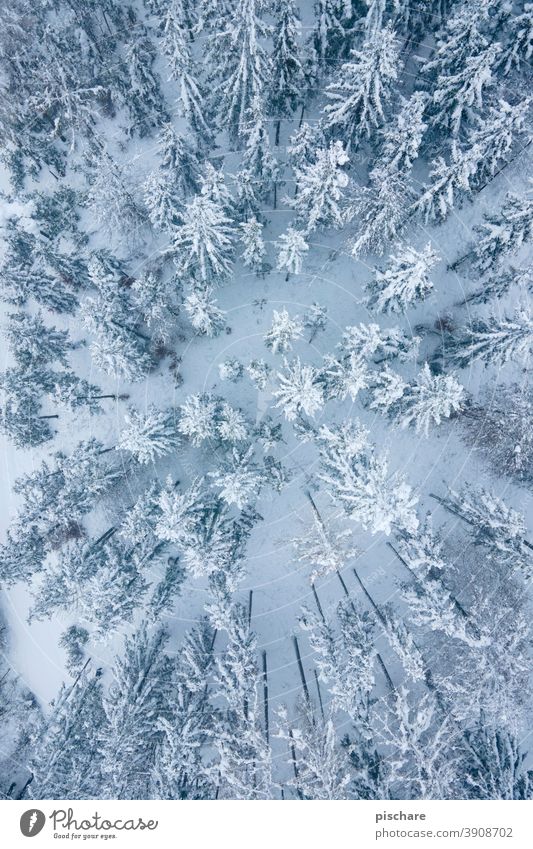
[(292, 249), (493, 341), (253, 255), (323, 771), (149, 435), (175, 42), (245, 68), (457, 94), (361, 90), (315, 319), (359, 481), (238, 480), (320, 200), (142, 91), (450, 182), (402, 137), (179, 769), (503, 233), (204, 315), (299, 390), (405, 280), (244, 757), (428, 400), (177, 177), (322, 547), (66, 759), (493, 525), (203, 243), (519, 43), (137, 699), (283, 332), (287, 74)]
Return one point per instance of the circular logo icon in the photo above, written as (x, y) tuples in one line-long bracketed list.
[(32, 822)]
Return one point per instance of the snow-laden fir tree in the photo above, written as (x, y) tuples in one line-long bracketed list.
[(495, 133), (239, 479), (73, 640), (287, 73), (283, 332), (492, 524), (293, 247), (402, 136), (404, 281), (380, 211), (192, 97), (304, 143), (66, 757), (112, 200), (362, 89), (498, 771), (259, 371), (143, 94), (231, 369), (344, 376), (494, 341), (244, 71), (148, 435), (179, 770), (298, 390), (450, 183), (324, 546), (331, 37), (257, 159), (323, 767), (500, 430), (56, 496), (244, 766), (503, 233), (136, 700), (203, 312), (457, 95), (99, 582), (176, 178), (518, 48), (203, 243), (358, 479), (425, 757), (378, 344), (428, 400), (320, 201), (430, 602), (254, 248), (315, 320)]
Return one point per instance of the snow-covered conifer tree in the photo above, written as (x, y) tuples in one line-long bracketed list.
[(204, 315), (450, 183), (287, 74), (404, 281), (362, 89), (253, 255), (244, 70), (429, 399), (492, 341), (239, 479), (283, 332), (137, 698), (203, 242), (66, 759), (359, 481), (402, 137), (320, 201), (299, 390), (503, 233), (148, 435), (292, 250)]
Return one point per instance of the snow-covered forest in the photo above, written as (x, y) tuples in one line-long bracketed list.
[(265, 272)]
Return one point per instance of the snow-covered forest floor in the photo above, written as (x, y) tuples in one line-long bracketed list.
[(266, 408)]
